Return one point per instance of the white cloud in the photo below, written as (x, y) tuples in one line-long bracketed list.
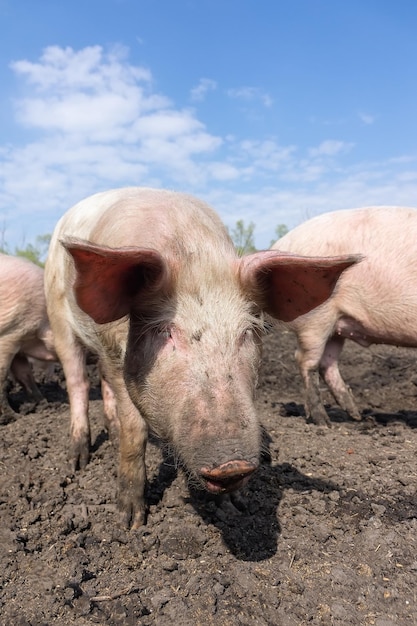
[(98, 118), (273, 204), (87, 92), (94, 121), (65, 69), (205, 85), (166, 123), (221, 171), (266, 154), (251, 93), (366, 118), (330, 147)]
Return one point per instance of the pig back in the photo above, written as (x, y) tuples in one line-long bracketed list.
[(386, 238), (143, 217)]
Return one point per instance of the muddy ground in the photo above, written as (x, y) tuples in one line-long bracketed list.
[(325, 534)]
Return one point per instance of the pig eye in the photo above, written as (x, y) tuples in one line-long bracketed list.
[(165, 333), (247, 335)]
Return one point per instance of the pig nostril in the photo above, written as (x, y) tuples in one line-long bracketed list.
[(227, 476), (229, 470)]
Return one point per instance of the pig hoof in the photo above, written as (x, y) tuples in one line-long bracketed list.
[(139, 520), (228, 476), (131, 519), (368, 422), (319, 420), (130, 503), (79, 457)]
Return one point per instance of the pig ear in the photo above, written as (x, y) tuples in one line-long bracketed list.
[(287, 285), (109, 279)]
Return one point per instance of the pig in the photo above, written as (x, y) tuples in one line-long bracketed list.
[(149, 280), (375, 301), (25, 331)]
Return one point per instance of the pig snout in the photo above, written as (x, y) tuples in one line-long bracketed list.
[(228, 476)]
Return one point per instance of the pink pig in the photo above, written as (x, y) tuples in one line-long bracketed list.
[(24, 327), (149, 280), (375, 300)]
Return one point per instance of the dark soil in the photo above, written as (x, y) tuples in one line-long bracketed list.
[(324, 533)]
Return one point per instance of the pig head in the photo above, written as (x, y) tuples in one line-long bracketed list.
[(193, 346), (179, 325)]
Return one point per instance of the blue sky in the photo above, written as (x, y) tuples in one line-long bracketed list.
[(270, 110)]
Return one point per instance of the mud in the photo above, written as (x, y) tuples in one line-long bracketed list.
[(324, 533)]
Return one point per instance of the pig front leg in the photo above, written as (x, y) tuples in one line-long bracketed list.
[(132, 470), (73, 359), (78, 387), (111, 417)]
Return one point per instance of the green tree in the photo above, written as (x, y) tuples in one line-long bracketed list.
[(34, 252), (280, 231), (243, 237)]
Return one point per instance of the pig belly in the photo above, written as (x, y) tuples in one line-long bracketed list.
[(366, 335)]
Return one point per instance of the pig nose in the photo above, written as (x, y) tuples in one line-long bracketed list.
[(228, 476)]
